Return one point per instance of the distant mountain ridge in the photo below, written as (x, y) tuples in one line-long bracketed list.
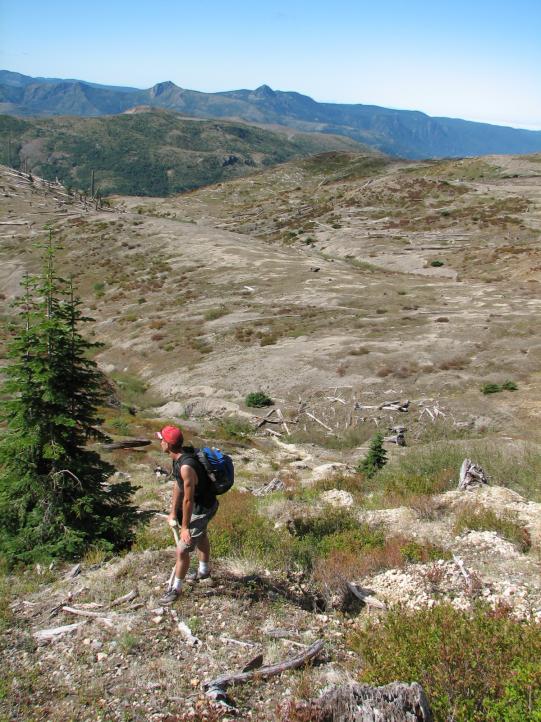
[(410, 134)]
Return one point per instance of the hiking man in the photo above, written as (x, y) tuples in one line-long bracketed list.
[(193, 505)]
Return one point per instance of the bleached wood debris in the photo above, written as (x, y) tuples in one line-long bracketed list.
[(471, 475)]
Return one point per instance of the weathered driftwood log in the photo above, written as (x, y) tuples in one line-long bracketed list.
[(471, 475), (55, 632), (273, 485), (396, 702), (397, 437), (225, 680), (126, 444), (365, 596)]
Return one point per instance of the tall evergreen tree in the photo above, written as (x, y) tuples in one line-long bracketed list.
[(54, 496)]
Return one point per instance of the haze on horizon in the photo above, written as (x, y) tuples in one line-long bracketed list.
[(474, 60)]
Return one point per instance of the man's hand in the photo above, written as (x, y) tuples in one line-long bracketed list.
[(172, 519), (185, 536)]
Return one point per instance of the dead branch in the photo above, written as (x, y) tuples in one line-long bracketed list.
[(125, 598), (87, 613), (273, 432), (281, 417), (318, 421), (365, 596), (224, 680), (237, 641), (255, 663), (55, 632), (265, 418)]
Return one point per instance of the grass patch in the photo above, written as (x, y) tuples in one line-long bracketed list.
[(238, 530), (434, 468), (134, 391), (346, 565), (152, 537), (477, 666), (479, 518), (233, 428)]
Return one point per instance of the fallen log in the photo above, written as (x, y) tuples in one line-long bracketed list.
[(318, 421), (395, 702), (231, 678), (55, 632), (126, 444), (273, 485), (265, 418)]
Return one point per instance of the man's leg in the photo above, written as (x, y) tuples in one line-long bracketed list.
[(203, 548), (183, 563)]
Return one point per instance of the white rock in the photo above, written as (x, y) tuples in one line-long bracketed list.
[(338, 497), (325, 470)]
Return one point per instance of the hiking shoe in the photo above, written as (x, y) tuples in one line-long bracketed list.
[(169, 598), (197, 576)]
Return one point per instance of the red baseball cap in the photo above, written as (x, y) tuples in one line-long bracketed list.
[(171, 434)]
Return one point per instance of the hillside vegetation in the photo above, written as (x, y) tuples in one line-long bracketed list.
[(153, 153), (351, 294)]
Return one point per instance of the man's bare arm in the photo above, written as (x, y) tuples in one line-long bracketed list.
[(189, 477), (175, 502)]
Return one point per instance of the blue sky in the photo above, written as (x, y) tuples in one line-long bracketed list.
[(475, 60)]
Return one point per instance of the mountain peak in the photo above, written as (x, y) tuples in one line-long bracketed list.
[(264, 91), (161, 88)]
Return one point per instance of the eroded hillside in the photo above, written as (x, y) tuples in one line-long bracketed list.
[(342, 286)]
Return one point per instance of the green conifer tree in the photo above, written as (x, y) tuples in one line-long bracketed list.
[(54, 496), (375, 459)]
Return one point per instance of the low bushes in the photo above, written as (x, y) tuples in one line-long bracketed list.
[(479, 666), (258, 400), (239, 531), (492, 388), (479, 518)]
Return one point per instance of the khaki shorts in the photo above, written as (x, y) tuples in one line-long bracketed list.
[(198, 528)]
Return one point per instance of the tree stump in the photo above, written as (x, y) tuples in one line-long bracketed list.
[(471, 475), (396, 702)]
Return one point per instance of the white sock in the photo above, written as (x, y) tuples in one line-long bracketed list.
[(177, 584), (203, 567)]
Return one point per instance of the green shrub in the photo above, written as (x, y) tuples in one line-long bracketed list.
[(333, 530), (214, 313), (474, 666), (490, 388), (375, 459), (436, 263), (258, 399)]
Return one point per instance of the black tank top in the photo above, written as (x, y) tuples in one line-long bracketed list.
[(204, 496)]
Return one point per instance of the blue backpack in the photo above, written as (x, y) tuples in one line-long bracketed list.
[(219, 468)]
